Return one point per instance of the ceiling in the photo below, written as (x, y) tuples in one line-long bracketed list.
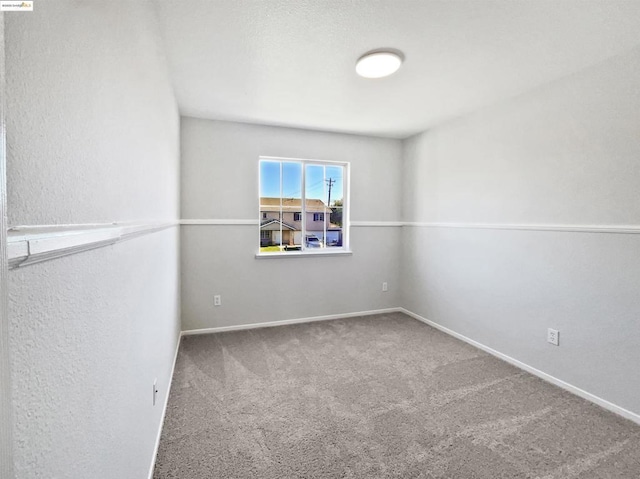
[(291, 62)]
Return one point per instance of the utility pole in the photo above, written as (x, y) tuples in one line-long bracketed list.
[(330, 182)]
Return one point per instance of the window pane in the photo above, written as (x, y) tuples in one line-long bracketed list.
[(291, 204), (335, 200), (335, 230), (269, 178), (315, 201), (269, 204), (280, 198)]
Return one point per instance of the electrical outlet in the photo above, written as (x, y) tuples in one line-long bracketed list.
[(385, 287), (155, 390), (553, 336), (217, 300)]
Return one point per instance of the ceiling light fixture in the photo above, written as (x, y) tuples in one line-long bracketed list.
[(379, 63)]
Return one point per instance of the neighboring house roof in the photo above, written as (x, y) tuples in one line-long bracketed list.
[(293, 205), (318, 231), (274, 224)]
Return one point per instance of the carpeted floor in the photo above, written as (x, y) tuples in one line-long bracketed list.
[(378, 396)]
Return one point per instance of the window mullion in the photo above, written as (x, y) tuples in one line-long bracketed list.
[(303, 205), (280, 217), (324, 210)]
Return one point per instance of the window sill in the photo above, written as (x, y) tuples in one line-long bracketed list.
[(306, 254)]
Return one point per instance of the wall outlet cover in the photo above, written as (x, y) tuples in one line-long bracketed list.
[(553, 336)]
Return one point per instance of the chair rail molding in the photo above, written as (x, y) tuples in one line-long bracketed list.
[(376, 224), (221, 222), (567, 228), (33, 244), (255, 222)]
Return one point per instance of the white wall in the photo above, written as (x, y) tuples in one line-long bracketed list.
[(219, 180), (93, 136), (567, 153)]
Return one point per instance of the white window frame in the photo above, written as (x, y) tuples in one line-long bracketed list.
[(346, 233)]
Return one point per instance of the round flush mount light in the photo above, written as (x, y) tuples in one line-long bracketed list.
[(379, 63)]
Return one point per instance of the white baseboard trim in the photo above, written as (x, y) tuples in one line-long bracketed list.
[(284, 322), (164, 410), (530, 369)]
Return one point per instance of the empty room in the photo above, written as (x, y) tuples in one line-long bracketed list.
[(320, 239)]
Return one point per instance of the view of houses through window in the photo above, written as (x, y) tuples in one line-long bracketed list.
[(302, 205)]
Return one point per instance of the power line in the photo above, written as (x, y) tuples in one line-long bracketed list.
[(308, 188)]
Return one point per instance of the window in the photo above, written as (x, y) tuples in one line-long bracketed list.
[(303, 206)]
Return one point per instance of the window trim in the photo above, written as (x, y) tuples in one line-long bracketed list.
[(346, 206)]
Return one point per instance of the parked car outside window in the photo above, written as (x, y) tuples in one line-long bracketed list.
[(312, 241)]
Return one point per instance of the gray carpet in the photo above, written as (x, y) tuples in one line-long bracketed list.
[(378, 396)]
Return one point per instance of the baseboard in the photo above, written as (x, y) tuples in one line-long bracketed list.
[(536, 372), (164, 411), (288, 321)]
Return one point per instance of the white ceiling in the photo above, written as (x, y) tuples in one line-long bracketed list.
[(291, 62)]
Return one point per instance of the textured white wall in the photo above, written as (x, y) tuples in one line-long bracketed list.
[(219, 178), (93, 136), (89, 334), (90, 96), (563, 154)]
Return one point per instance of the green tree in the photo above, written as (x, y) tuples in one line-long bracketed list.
[(336, 213)]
